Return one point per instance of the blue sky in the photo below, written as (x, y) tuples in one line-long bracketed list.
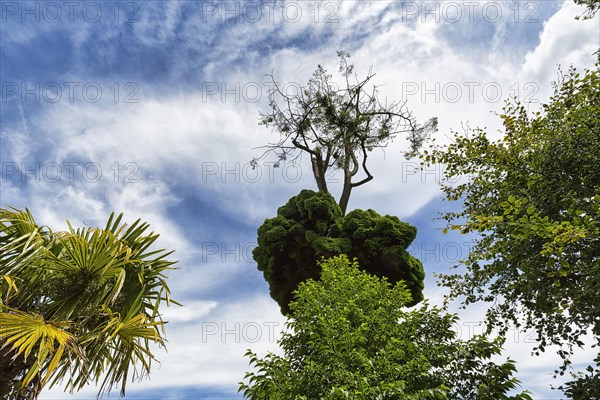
[(151, 107)]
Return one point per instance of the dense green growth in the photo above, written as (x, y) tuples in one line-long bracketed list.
[(351, 337), (534, 199), (311, 225), (81, 305)]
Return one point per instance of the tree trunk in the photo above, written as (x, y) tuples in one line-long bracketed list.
[(345, 197), (12, 370), (319, 173), (9, 372)]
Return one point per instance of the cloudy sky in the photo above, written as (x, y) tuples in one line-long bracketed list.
[(150, 108)]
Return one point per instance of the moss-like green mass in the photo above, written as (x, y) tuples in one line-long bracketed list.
[(311, 226)]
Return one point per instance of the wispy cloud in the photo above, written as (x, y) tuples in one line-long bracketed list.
[(173, 126)]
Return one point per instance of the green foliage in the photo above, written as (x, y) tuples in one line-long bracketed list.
[(534, 199), (311, 225), (81, 305), (586, 385), (351, 337)]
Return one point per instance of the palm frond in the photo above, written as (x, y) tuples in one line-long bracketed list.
[(26, 332), (105, 285)]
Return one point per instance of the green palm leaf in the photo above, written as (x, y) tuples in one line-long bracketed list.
[(25, 332), (81, 306)]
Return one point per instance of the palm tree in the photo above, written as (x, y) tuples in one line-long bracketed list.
[(77, 307)]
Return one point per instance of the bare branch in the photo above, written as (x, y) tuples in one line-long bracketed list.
[(336, 127)]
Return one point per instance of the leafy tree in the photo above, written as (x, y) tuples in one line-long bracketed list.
[(77, 305), (311, 225), (534, 199), (338, 127), (351, 338)]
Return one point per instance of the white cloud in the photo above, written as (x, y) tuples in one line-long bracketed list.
[(178, 140), (564, 41), (193, 311), (206, 345)]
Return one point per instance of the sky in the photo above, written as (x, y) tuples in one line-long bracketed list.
[(151, 108)]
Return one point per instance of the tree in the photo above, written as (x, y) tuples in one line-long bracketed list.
[(79, 305), (592, 7), (351, 338), (311, 225), (338, 127), (534, 199)]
